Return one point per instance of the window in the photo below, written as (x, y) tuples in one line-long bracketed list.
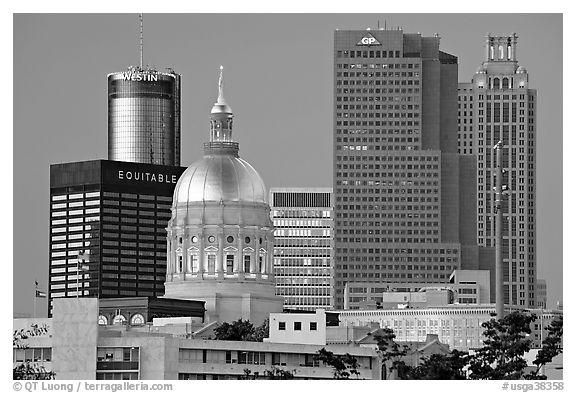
[(247, 263), (297, 325), (229, 263), (281, 325), (194, 262), (211, 263), (313, 326)]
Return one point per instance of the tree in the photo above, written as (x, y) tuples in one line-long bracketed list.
[(551, 347), (29, 369), (242, 330), (279, 373), (263, 331), (344, 365), (271, 373), (239, 330), (439, 366), (502, 356), (391, 353)]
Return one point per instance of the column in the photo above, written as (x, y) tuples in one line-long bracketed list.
[(220, 256), (240, 254), (269, 257), (488, 47), (201, 256)]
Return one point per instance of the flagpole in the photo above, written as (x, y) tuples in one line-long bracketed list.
[(35, 292)]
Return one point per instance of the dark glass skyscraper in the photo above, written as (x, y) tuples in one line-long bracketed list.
[(144, 116), (397, 172), (115, 214)]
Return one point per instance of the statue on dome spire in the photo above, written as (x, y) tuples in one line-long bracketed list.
[(221, 99)]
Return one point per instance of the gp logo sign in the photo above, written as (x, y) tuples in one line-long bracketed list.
[(368, 40)]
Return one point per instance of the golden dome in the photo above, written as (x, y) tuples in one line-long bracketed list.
[(219, 177)]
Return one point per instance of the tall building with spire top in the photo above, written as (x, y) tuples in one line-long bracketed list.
[(499, 105), (220, 235)]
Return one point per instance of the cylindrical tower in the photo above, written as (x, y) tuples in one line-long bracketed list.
[(144, 116), (220, 236)]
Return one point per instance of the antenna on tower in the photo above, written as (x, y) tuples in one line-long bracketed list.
[(141, 41)]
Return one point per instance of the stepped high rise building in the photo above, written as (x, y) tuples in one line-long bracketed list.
[(399, 182), (303, 263), (144, 116), (498, 105)]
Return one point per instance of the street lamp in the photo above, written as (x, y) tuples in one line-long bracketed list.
[(81, 266)]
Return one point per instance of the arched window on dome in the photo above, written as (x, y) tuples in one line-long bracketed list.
[(119, 320), (102, 320), (137, 319), (501, 52)]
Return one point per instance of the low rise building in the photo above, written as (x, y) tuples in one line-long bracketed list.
[(467, 286), (76, 347)]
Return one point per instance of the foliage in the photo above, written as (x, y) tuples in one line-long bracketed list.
[(551, 347), (29, 369), (271, 373), (502, 356), (344, 365), (439, 366), (391, 352), (242, 330), (263, 331)]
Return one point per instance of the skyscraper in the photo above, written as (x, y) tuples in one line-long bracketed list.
[(303, 248), (108, 228), (396, 167), (144, 116), (498, 105)]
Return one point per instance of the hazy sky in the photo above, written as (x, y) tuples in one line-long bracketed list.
[(278, 81)]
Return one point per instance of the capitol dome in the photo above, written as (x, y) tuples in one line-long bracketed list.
[(219, 177), (220, 235)]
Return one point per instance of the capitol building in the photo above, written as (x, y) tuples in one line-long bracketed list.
[(220, 236)]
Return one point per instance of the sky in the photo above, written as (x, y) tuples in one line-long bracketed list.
[(278, 81)]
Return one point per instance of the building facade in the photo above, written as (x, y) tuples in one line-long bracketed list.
[(108, 228), (144, 116), (220, 235), (458, 325), (499, 105), (76, 347), (541, 294), (303, 219), (397, 172), (467, 286)]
